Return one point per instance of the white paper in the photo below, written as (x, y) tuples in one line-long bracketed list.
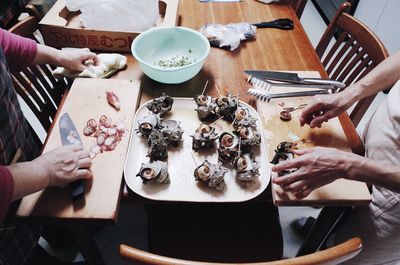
[(116, 15)]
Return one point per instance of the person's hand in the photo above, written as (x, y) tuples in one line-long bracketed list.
[(74, 59), (314, 167), (65, 164), (324, 107)]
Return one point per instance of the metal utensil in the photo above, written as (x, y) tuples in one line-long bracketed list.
[(268, 84), (265, 96), (285, 114), (290, 109), (292, 78), (280, 23), (69, 135)]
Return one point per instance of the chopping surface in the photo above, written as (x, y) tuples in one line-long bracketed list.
[(87, 100), (330, 135)]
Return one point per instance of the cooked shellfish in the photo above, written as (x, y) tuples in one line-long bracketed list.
[(156, 171), (172, 131), (283, 152), (243, 118), (228, 147), (204, 137), (206, 106), (157, 146), (246, 169), (148, 123), (211, 174), (249, 137), (226, 106), (160, 105)]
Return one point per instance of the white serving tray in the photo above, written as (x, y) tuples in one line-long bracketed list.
[(181, 165)]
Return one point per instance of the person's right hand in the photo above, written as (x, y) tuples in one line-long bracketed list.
[(65, 164), (321, 108)]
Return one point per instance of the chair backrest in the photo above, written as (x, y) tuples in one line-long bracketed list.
[(297, 5), (355, 52), (333, 255), (33, 11), (36, 84)]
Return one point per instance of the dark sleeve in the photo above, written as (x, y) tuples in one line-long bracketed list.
[(6, 191), (19, 51)]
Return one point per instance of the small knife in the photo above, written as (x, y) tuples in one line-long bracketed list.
[(293, 78), (265, 96), (69, 135)]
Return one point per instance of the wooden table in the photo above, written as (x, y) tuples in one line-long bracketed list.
[(273, 49)]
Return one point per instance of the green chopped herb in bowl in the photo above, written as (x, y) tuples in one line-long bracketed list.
[(175, 61), (170, 55)]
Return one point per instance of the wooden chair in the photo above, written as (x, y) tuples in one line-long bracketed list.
[(36, 84), (297, 5), (355, 52), (333, 255), (33, 11)]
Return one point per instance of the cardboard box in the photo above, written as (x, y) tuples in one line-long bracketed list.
[(61, 28)]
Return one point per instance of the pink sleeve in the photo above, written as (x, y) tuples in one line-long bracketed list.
[(6, 191), (19, 51)]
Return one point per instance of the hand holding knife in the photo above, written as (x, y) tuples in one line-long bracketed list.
[(69, 135)]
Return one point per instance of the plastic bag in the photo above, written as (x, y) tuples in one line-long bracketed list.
[(117, 15), (108, 64), (228, 35)]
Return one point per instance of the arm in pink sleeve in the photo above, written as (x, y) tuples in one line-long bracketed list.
[(19, 51), (6, 191)]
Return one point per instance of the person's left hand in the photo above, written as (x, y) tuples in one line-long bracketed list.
[(74, 60), (315, 167)]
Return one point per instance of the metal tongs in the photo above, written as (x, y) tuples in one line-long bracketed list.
[(267, 96), (281, 23)]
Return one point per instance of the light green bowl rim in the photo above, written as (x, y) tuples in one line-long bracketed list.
[(141, 35)]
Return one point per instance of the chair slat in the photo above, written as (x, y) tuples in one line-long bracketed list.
[(25, 85), (39, 88), (346, 65), (363, 64), (36, 84), (40, 115), (334, 48), (348, 69), (353, 54), (342, 51)]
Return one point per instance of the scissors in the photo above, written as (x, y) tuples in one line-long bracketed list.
[(281, 23)]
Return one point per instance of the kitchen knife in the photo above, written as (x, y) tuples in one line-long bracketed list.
[(292, 78), (69, 135)]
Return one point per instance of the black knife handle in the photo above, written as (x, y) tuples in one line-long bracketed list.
[(77, 189), (281, 23)]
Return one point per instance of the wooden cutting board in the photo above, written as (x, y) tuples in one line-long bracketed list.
[(339, 193), (86, 100)]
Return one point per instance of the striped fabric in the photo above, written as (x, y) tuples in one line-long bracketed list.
[(17, 241)]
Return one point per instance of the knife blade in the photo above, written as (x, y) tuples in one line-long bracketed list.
[(69, 135), (292, 78)]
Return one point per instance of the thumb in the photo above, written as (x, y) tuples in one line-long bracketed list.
[(301, 152)]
